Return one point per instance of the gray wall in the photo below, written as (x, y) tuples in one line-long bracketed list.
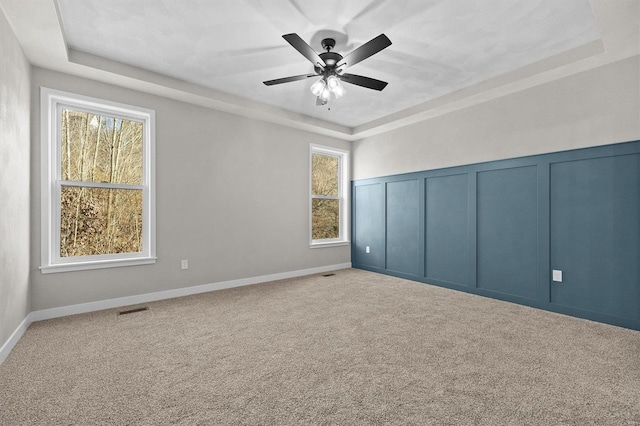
[(232, 197), (14, 182), (595, 107)]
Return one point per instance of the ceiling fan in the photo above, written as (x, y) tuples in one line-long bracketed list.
[(330, 66)]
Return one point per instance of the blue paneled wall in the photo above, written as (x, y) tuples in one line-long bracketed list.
[(498, 229)]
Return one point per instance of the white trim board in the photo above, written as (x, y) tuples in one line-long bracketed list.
[(63, 311), (13, 339)]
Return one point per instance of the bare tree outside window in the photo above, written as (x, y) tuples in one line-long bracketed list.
[(325, 202), (104, 218)]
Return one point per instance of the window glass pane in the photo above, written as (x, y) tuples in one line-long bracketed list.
[(325, 218), (97, 221), (324, 175), (100, 148)]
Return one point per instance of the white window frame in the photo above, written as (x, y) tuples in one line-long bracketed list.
[(51, 104), (343, 192)]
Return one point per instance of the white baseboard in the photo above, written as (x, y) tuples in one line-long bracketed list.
[(82, 308), (13, 339)]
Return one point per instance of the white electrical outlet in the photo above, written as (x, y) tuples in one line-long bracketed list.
[(557, 275), (367, 249), (185, 264)]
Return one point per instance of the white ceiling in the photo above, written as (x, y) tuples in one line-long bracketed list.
[(439, 46), (446, 54)]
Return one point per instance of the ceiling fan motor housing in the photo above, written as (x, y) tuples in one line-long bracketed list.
[(329, 58)]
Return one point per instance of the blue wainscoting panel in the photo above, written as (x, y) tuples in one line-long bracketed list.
[(403, 226), (499, 228), (447, 228), (595, 234), (368, 227), (507, 231)]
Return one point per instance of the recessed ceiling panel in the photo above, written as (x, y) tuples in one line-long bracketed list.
[(439, 46)]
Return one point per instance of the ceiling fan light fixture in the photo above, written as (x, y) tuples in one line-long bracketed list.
[(318, 87), (333, 82), (339, 91), (325, 95)]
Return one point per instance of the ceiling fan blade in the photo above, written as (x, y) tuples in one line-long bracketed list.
[(371, 47), (289, 79), (301, 46), (358, 80)]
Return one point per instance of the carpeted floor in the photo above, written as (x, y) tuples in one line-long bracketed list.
[(354, 348)]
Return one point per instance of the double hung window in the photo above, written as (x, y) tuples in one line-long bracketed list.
[(98, 206), (329, 189)]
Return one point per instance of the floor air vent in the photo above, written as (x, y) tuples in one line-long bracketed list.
[(328, 275), (133, 311)]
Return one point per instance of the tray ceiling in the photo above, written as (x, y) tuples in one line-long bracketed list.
[(439, 46), (446, 54)]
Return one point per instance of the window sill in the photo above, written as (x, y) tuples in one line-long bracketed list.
[(96, 264), (330, 244)]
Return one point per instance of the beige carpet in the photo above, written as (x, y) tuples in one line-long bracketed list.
[(354, 348)]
